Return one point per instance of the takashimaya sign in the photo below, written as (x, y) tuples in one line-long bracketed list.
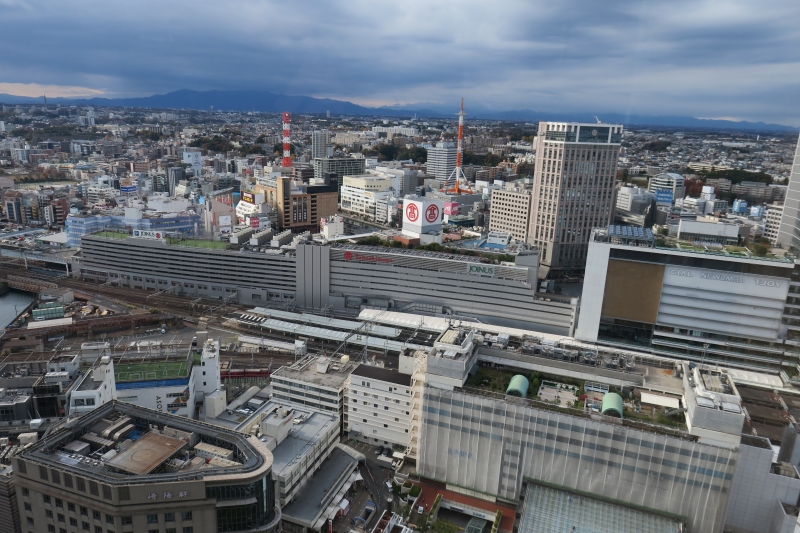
[(355, 256), (412, 212)]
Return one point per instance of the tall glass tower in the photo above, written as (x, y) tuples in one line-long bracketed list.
[(789, 231)]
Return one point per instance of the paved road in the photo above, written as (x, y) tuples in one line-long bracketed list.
[(375, 475)]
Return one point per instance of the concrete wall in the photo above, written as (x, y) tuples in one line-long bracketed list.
[(756, 491), (313, 276), (489, 444)]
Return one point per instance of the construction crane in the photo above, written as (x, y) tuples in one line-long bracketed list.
[(460, 185)]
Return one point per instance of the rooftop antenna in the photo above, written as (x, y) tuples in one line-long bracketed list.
[(460, 185), (287, 154), (598, 120)]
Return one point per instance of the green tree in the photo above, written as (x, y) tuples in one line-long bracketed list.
[(253, 149), (278, 148), (215, 144), (738, 176), (443, 526)]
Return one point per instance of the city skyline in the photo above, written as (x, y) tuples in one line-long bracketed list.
[(707, 60)]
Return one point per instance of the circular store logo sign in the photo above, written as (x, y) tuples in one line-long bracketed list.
[(412, 212), (432, 213), (594, 133), (348, 256)]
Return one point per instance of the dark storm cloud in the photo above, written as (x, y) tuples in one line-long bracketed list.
[(701, 58)]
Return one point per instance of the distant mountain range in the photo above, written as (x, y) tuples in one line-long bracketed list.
[(268, 102)]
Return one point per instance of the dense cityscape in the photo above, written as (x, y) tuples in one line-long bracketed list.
[(418, 267), (217, 296)]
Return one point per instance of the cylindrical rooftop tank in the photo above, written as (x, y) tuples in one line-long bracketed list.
[(612, 405), (518, 386)]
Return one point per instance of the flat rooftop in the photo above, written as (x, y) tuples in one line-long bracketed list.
[(151, 368), (314, 498), (639, 238), (560, 511), (146, 450), (146, 454), (382, 374), (305, 370)]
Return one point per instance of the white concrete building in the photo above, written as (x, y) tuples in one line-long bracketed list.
[(772, 223), (668, 181), (361, 193), (318, 383), (442, 160), (708, 232), (631, 198), (96, 388), (378, 406)]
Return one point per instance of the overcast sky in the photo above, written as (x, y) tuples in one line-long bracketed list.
[(711, 59)]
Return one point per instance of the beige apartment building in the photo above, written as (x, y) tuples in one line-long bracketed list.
[(510, 212)]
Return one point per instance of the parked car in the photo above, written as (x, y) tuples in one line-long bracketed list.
[(421, 509), (379, 450)]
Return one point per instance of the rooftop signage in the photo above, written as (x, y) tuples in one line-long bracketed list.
[(355, 256), (148, 234)]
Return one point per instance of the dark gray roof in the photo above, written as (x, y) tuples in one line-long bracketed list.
[(309, 503), (382, 374)]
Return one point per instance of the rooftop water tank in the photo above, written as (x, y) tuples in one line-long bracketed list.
[(518, 386), (612, 405)]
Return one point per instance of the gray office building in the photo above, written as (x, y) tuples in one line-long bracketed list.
[(321, 144), (339, 167)]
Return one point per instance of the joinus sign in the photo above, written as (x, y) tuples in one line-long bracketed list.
[(485, 271)]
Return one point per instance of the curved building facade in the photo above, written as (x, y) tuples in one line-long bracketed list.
[(163, 473)]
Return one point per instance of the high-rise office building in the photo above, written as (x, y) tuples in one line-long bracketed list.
[(338, 167), (789, 232), (442, 160), (573, 189), (321, 144)]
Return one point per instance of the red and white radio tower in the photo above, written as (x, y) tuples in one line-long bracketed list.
[(287, 148), (460, 183)]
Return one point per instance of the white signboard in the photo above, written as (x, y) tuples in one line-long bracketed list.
[(422, 216), (148, 234), (225, 220)]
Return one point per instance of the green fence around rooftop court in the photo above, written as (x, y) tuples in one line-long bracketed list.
[(110, 234), (149, 371), (198, 243)]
